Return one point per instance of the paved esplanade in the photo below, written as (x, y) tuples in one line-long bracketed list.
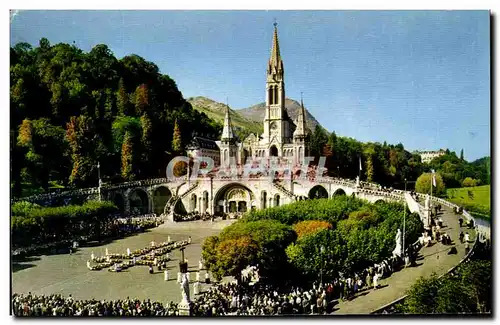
[(67, 274), (435, 260)]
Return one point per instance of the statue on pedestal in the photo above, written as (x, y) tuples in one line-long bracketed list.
[(185, 305), (398, 250)]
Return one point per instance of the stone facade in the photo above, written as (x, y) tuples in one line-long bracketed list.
[(282, 137), (427, 156), (203, 147)]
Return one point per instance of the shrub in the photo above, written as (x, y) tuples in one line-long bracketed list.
[(331, 210), (36, 224), (268, 236), (308, 227), (470, 182)]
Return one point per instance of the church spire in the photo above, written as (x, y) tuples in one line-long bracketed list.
[(301, 130), (227, 131), (275, 62)]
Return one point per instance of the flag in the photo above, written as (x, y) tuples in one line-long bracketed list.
[(433, 177), (360, 167)]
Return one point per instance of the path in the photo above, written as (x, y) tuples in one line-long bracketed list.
[(435, 260), (67, 274)]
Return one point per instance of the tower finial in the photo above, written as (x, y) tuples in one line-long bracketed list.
[(275, 60), (275, 23), (227, 131)]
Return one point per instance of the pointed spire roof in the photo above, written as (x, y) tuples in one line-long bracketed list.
[(227, 131), (275, 60), (301, 129)]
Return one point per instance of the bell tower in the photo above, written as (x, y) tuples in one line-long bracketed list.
[(276, 128)]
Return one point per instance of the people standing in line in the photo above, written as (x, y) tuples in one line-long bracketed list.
[(467, 237), (460, 222), (461, 237)]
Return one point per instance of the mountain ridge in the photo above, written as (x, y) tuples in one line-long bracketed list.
[(247, 120)]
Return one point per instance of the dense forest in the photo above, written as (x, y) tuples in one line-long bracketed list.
[(390, 165), (71, 110)]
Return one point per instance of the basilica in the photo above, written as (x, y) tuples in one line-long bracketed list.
[(283, 138)]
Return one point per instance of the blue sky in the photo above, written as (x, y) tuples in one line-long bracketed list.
[(421, 78)]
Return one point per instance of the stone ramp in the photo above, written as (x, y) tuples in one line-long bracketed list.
[(433, 259), (198, 224)]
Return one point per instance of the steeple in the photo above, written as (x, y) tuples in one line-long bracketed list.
[(275, 62), (227, 131), (301, 130)]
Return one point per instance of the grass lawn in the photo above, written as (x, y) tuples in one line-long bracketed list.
[(475, 199)]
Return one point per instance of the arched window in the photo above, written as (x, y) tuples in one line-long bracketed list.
[(193, 202), (276, 98), (277, 200), (264, 199)]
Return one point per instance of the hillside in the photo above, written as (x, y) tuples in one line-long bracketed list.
[(246, 120), (256, 113), (475, 199), (216, 111), (71, 110)]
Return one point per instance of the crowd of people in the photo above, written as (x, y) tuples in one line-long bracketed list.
[(262, 299), (57, 305), (193, 216), (244, 298)]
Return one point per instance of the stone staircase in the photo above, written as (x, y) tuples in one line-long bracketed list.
[(282, 189), (169, 206)]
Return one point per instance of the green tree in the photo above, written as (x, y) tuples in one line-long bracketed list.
[(177, 139), (423, 185), (306, 255), (369, 152), (128, 173), (469, 182), (266, 248), (467, 292), (141, 99), (122, 99), (462, 154), (146, 141), (43, 144), (308, 227), (86, 148), (234, 255), (318, 141)]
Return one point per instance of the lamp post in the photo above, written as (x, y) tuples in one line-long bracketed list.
[(322, 249), (99, 179), (404, 224)]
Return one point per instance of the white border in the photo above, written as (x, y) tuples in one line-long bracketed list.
[(213, 4)]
